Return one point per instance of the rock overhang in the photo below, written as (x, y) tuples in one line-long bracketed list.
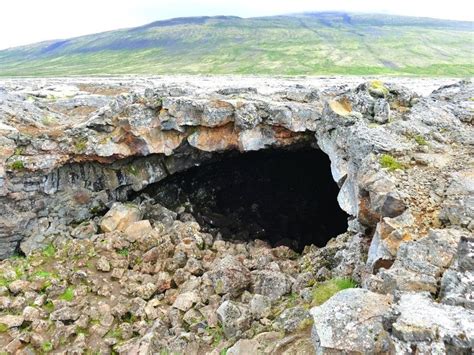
[(127, 141)]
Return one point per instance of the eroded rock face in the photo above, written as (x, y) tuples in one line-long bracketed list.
[(402, 162)]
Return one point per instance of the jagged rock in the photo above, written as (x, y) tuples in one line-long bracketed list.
[(185, 301), (234, 318), (381, 111), (65, 314), (292, 319), (457, 283), (58, 174), (228, 276), (458, 208), (103, 265), (450, 331), (389, 234), (419, 264), (244, 346), (351, 321), (272, 284), (11, 321), (260, 306), (119, 217), (138, 229)]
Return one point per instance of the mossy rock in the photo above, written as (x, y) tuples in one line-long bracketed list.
[(377, 89)]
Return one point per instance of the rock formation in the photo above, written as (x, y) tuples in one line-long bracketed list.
[(72, 150)]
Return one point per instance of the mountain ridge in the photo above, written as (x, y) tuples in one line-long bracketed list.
[(299, 44)]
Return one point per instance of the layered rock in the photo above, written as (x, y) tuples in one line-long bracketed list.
[(403, 163)]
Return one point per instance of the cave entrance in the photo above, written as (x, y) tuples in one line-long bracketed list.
[(286, 197)]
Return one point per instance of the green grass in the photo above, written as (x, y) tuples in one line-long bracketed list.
[(420, 140), (47, 346), (123, 252), (325, 290), (81, 145), (217, 334), (49, 306), (17, 165), (389, 162), (43, 274), (68, 294), (283, 45), (49, 251), (3, 328)]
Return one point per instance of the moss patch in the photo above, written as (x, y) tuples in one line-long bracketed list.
[(17, 165), (378, 88), (68, 295), (389, 162), (420, 140), (325, 290), (80, 145), (3, 328)]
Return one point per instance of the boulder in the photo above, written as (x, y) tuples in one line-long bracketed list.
[(431, 327), (234, 317), (137, 230), (293, 319), (11, 321), (119, 217), (185, 301), (351, 321), (228, 275), (273, 284)]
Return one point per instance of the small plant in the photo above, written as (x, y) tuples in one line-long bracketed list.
[(49, 306), (115, 333), (390, 163), (132, 170), (47, 346), (217, 334), (17, 165), (4, 282), (68, 295), (292, 299), (42, 274), (49, 251), (420, 140), (81, 145), (325, 290), (80, 330), (123, 252), (19, 151), (3, 328)]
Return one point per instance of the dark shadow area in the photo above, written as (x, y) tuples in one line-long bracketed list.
[(283, 197)]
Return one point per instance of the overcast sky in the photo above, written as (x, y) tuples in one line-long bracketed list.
[(28, 21)]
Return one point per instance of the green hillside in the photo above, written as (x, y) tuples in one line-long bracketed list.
[(306, 44)]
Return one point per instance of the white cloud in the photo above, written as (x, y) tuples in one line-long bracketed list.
[(27, 21)]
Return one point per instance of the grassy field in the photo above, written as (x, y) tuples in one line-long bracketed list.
[(310, 44)]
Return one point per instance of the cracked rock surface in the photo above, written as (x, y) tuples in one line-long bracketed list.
[(102, 272)]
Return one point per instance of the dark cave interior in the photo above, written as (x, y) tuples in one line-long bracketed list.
[(285, 197)]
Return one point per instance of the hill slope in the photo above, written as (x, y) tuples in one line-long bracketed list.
[(315, 43)]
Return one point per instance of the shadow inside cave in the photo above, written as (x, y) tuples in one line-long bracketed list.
[(285, 197)]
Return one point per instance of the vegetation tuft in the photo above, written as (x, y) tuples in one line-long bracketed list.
[(389, 162), (325, 290)]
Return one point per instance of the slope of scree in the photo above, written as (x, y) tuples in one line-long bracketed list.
[(284, 197)]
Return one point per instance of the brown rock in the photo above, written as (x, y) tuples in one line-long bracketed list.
[(119, 217)]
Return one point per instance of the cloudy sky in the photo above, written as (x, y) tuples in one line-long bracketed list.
[(28, 21)]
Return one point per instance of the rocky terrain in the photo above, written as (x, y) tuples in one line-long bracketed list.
[(94, 262)]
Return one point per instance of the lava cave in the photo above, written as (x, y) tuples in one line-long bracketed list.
[(285, 197)]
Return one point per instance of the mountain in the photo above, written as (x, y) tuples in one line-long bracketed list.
[(300, 44)]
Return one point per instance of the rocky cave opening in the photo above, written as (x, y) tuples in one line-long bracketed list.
[(285, 197)]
